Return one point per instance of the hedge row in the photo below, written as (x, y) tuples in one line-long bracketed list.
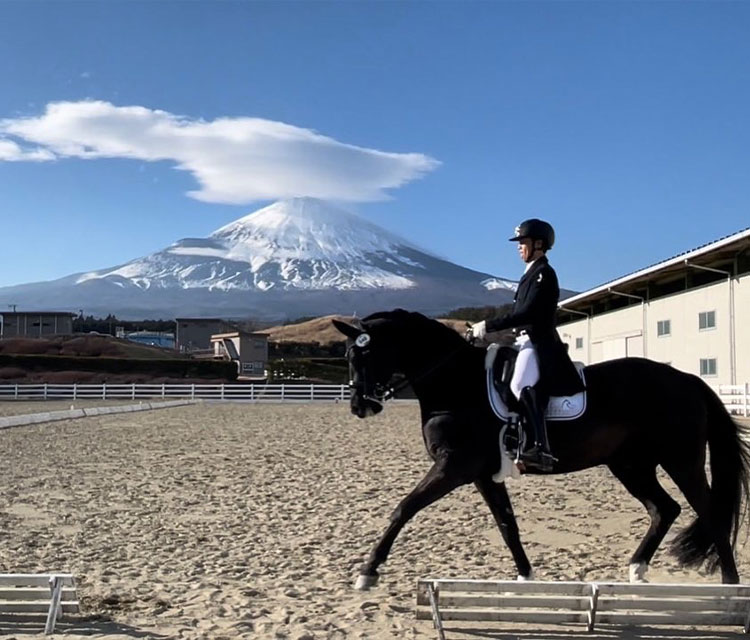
[(172, 368), (333, 370)]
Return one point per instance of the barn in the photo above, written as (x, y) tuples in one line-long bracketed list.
[(35, 324), (691, 311)]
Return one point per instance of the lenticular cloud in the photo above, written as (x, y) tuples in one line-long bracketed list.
[(234, 160)]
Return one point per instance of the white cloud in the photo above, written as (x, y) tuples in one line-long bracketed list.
[(234, 160), (12, 152)]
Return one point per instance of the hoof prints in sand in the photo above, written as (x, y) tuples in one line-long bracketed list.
[(237, 521)]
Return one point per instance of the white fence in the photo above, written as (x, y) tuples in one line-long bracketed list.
[(736, 398), (230, 392)]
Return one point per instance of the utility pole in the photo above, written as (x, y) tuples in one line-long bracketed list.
[(12, 306)]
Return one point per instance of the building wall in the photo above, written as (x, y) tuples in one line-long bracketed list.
[(254, 348), (253, 355), (621, 333), (193, 334), (686, 344), (742, 328), (34, 325)]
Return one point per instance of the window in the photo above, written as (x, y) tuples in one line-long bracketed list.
[(664, 327), (708, 366), (579, 343), (252, 367), (707, 320)]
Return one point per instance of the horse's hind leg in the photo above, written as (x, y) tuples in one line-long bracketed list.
[(497, 499), (694, 485), (438, 482), (643, 485)]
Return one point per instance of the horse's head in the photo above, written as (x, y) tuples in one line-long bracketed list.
[(373, 354)]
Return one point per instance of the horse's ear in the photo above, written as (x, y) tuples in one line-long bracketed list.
[(348, 330)]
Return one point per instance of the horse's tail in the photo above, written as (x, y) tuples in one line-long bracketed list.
[(730, 479)]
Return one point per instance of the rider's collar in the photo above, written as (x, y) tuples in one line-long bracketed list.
[(530, 264)]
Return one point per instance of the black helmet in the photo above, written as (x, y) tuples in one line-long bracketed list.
[(536, 230)]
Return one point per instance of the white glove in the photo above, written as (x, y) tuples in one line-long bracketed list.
[(479, 330)]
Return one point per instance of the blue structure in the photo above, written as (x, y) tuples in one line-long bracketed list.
[(152, 338)]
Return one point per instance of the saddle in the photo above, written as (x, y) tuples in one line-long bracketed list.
[(504, 403)]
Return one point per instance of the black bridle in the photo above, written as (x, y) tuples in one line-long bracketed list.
[(380, 392)]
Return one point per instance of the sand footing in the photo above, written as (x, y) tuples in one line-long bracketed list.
[(250, 521)]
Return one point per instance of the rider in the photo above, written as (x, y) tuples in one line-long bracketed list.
[(543, 367)]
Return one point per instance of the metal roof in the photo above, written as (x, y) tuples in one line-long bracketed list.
[(711, 249), (238, 334)]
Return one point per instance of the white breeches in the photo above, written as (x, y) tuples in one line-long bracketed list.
[(526, 373)]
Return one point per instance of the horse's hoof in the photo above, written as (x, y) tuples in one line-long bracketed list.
[(364, 582), (527, 578), (637, 572)]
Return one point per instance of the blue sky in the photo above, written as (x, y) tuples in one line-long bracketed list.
[(125, 126)]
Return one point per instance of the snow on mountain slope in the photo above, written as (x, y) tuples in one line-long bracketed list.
[(291, 258), (295, 244)]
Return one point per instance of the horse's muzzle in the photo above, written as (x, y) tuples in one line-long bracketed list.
[(365, 407)]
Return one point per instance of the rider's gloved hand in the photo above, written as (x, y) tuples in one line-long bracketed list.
[(479, 330)]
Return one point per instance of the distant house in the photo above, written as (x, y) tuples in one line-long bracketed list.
[(194, 334), (34, 324), (248, 350)]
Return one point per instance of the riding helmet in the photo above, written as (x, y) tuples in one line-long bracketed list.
[(536, 230)]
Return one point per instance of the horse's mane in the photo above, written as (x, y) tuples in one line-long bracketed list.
[(414, 322)]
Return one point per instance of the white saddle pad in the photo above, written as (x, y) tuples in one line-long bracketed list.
[(558, 408)]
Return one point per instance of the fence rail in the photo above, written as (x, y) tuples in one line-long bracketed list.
[(736, 398), (232, 392)]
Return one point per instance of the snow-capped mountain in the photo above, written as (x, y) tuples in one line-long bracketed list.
[(294, 244), (292, 258)]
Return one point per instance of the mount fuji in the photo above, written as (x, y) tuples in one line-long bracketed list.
[(293, 258)]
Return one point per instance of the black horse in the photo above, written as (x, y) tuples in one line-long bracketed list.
[(640, 414)]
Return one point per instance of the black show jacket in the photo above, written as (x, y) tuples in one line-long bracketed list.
[(534, 309)]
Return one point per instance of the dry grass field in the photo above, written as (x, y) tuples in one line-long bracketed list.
[(247, 521), (321, 330)]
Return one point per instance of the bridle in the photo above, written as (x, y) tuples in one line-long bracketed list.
[(380, 392)]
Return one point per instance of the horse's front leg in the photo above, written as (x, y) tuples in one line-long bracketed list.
[(438, 482), (497, 499)]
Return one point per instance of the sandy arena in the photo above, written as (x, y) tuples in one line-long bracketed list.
[(250, 521)]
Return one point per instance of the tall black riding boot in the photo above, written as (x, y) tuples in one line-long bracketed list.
[(539, 455)]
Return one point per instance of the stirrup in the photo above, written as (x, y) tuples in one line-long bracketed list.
[(537, 458)]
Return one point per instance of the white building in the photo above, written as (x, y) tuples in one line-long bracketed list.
[(691, 311)]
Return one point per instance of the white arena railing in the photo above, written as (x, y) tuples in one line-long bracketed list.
[(736, 398), (226, 392)]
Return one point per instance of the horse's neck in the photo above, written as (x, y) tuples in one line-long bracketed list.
[(449, 379)]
